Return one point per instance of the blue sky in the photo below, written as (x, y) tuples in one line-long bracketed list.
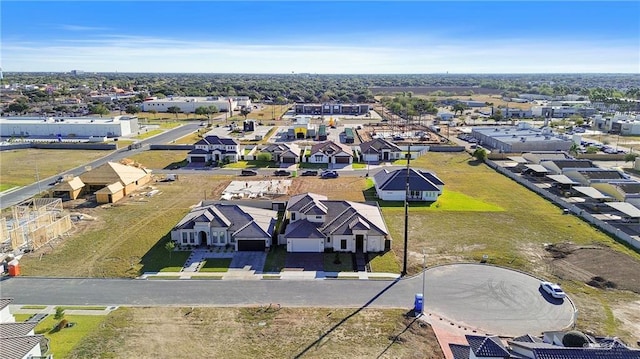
[(321, 37)]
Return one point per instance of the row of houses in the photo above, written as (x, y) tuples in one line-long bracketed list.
[(312, 222), (215, 149)]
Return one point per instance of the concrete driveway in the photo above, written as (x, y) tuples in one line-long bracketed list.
[(304, 261), (248, 261)]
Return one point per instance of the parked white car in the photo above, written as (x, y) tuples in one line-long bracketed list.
[(553, 290)]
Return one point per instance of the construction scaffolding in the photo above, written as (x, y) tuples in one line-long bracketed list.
[(34, 223)]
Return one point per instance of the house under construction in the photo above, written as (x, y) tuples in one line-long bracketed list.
[(33, 224)]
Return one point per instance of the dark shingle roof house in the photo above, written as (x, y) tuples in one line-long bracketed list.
[(215, 140), (391, 185), (317, 223)]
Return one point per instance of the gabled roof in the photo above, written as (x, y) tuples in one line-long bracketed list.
[(112, 172), (527, 338), (396, 180), (4, 302), (568, 163), (459, 351), (198, 151), (111, 189), (601, 174), (8, 330), (551, 351), (304, 229), (215, 140), (297, 202), (377, 145), (330, 148), (241, 221), (487, 346), (18, 347), (74, 184)]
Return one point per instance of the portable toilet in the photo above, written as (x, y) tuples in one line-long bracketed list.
[(418, 304), (14, 268)]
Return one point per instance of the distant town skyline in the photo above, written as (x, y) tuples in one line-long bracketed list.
[(333, 37)]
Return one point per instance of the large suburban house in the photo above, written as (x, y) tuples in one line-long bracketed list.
[(317, 224), (214, 148), (392, 185), (244, 227), (18, 339), (551, 346), (330, 152), (283, 152), (380, 149)]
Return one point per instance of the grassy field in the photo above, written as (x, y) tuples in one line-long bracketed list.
[(64, 340), (148, 134), (160, 159), (259, 333), (18, 167), (216, 265)]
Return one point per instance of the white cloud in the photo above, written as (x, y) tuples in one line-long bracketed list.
[(149, 54), (82, 28)]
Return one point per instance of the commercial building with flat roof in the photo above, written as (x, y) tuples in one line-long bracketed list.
[(190, 104), (521, 138), (68, 126)]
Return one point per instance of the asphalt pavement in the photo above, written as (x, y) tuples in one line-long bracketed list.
[(481, 297)]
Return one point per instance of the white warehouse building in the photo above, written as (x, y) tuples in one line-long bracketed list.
[(190, 104), (68, 126)]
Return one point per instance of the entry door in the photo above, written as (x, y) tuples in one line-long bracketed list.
[(359, 243)]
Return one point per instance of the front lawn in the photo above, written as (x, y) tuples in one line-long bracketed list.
[(63, 341), (384, 262), (275, 259), (345, 262), (216, 265), (251, 164), (158, 260), (313, 165), (358, 166)]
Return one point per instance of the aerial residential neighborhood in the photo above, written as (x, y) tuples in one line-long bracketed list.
[(320, 180)]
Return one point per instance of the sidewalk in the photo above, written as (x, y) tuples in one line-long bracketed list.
[(51, 309), (248, 274)]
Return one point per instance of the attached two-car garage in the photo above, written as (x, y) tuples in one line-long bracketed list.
[(246, 245), (305, 245)]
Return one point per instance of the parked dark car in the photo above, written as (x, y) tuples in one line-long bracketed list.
[(310, 173), (281, 173), (329, 174), (249, 173)]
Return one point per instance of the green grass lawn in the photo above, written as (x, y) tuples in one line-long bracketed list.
[(358, 166), (251, 164), (159, 159), (63, 341), (275, 259), (148, 134), (4, 187), (308, 165), (82, 307), (22, 317), (448, 201), (165, 264), (33, 307), (216, 265), (345, 265), (384, 262)]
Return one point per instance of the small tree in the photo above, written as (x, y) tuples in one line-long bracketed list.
[(480, 154), (132, 109), (175, 110), (59, 313), (99, 109), (245, 112), (630, 157), (170, 246), (264, 156), (573, 150)]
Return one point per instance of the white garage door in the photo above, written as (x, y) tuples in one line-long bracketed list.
[(305, 245)]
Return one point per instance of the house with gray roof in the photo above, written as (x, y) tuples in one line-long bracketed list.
[(548, 347), (17, 340), (283, 152), (244, 227), (330, 152), (5, 314), (392, 185), (214, 148), (379, 150), (317, 224), (558, 167)]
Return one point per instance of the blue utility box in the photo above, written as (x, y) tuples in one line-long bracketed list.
[(418, 303)]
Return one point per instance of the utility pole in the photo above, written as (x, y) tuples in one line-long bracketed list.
[(424, 275), (406, 215)]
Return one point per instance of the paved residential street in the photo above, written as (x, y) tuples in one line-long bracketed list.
[(490, 299)]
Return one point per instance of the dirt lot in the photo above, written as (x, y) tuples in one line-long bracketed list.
[(592, 265), (259, 333)]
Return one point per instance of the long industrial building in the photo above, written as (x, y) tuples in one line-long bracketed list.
[(331, 109), (521, 138), (190, 104), (68, 126)]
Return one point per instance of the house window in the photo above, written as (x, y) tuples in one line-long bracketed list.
[(214, 237), (328, 239), (192, 238), (232, 240), (293, 216), (318, 217), (343, 244), (318, 157), (184, 237)]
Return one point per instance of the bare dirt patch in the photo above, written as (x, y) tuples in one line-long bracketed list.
[(260, 333), (597, 266), (342, 188)]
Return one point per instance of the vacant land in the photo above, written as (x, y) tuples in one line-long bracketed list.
[(259, 333), (23, 167), (159, 159)]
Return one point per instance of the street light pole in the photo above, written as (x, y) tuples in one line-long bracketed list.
[(406, 215), (424, 275)]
